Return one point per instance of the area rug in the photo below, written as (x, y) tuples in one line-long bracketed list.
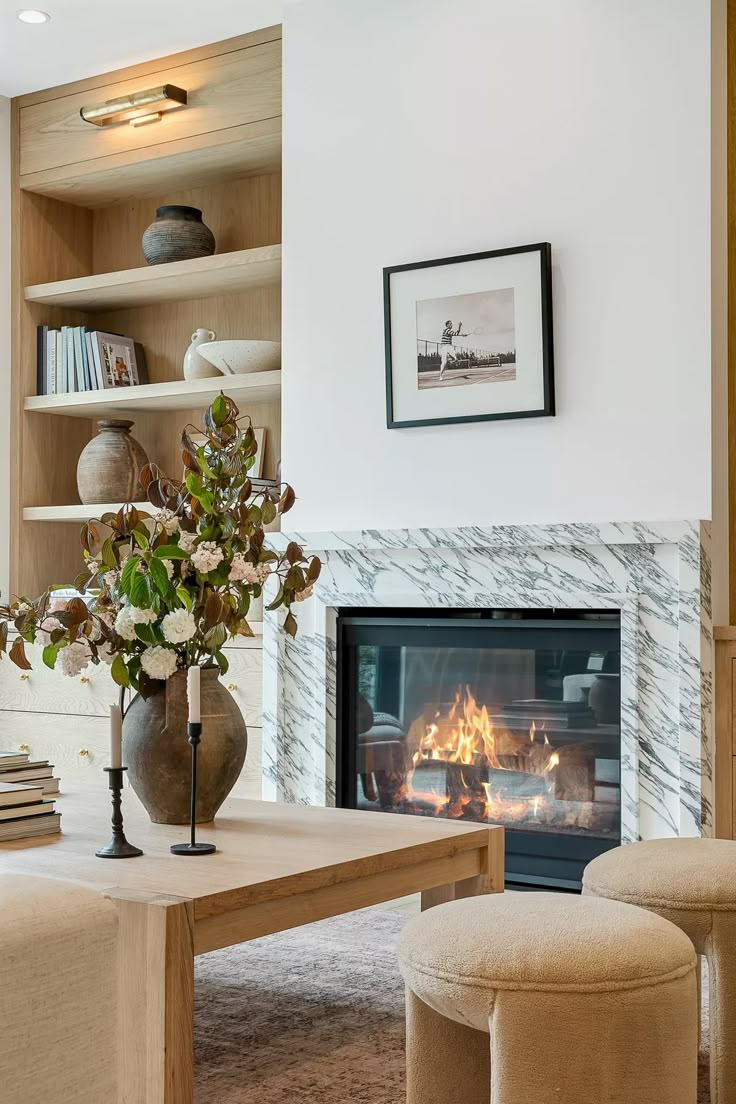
[(311, 1015)]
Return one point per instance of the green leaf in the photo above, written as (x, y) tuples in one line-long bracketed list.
[(160, 577), (219, 411), (147, 634), (290, 624), (140, 591), (194, 484), (215, 638), (222, 662), (107, 555), (278, 600), (50, 653), (119, 671), (128, 573), (170, 552), (141, 539), (185, 597), (269, 512)]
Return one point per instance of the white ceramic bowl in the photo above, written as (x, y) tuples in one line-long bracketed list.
[(233, 358)]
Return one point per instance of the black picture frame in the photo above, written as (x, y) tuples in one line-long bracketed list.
[(544, 249)]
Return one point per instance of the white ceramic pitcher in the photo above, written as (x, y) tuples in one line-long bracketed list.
[(195, 366)]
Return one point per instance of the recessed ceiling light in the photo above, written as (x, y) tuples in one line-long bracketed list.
[(30, 15)]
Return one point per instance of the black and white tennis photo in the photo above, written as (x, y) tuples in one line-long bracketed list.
[(466, 339), (469, 338)]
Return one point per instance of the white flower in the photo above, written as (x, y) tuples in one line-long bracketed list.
[(242, 570), (24, 607), (187, 541), (168, 564), (43, 634), (129, 617), (93, 567), (302, 595), (207, 556), (168, 521), (73, 659), (178, 626), (158, 662)]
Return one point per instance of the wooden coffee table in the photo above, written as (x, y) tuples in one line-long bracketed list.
[(277, 867)]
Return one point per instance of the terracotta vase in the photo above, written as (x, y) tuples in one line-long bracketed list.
[(177, 234), (158, 755), (110, 465)]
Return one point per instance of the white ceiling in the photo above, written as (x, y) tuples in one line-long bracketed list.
[(85, 37)]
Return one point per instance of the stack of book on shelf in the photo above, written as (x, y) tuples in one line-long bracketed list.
[(26, 809), (76, 358)]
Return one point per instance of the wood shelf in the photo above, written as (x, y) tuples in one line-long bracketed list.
[(77, 512), (201, 278), (151, 397)]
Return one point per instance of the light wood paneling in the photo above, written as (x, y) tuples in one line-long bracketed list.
[(248, 150), (725, 730), (226, 90), (732, 303), (223, 274)]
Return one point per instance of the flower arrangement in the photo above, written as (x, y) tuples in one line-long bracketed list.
[(165, 590)]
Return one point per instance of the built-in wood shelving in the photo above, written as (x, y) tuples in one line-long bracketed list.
[(202, 278), (151, 397), (77, 512)]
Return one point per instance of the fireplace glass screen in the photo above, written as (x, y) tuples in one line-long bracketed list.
[(497, 717)]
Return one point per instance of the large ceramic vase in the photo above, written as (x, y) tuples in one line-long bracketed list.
[(109, 467), (177, 234), (158, 755)]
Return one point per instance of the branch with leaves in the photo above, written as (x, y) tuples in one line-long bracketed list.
[(165, 590)]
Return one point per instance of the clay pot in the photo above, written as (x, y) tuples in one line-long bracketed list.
[(158, 755), (605, 698), (177, 234), (110, 465)]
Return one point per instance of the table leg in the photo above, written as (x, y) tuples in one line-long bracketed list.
[(156, 994), (490, 879)]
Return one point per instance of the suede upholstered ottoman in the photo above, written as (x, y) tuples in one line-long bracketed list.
[(585, 1001), (692, 883)]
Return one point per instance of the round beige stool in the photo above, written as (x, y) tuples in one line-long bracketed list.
[(585, 1001), (691, 882)]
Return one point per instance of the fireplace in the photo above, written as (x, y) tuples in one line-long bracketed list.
[(494, 716)]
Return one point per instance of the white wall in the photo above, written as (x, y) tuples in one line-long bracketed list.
[(4, 346), (424, 129)]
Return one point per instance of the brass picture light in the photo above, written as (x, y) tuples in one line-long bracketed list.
[(137, 108)]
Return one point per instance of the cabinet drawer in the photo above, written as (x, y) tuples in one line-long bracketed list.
[(45, 691), (225, 90), (244, 679), (79, 747)]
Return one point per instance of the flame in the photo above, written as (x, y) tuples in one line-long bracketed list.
[(463, 736)]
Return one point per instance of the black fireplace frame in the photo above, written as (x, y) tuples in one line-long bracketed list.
[(532, 858)]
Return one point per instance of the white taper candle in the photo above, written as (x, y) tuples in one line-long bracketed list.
[(193, 695), (116, 737)]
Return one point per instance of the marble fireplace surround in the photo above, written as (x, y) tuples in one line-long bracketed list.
[(656, 573)]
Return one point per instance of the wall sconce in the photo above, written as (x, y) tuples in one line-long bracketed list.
[(137, 108)]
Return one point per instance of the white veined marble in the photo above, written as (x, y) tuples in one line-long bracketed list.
[(657, 574)]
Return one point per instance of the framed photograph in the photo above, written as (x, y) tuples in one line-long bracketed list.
[(469, 339)]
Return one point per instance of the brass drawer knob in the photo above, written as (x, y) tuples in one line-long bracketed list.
[(232, 686), (84, 678), (24, 677), (83, 752), (22, 747)]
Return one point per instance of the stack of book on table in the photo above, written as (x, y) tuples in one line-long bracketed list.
[(545, 713), (76, 358), (26, 809)]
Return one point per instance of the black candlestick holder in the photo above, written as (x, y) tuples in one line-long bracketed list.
[(194, 732), (118, 847)]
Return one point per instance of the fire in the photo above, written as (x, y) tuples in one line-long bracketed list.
[(487, 775)]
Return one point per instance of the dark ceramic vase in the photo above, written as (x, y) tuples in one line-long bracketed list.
[(178, 234), (605, 698), (158, 755)]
